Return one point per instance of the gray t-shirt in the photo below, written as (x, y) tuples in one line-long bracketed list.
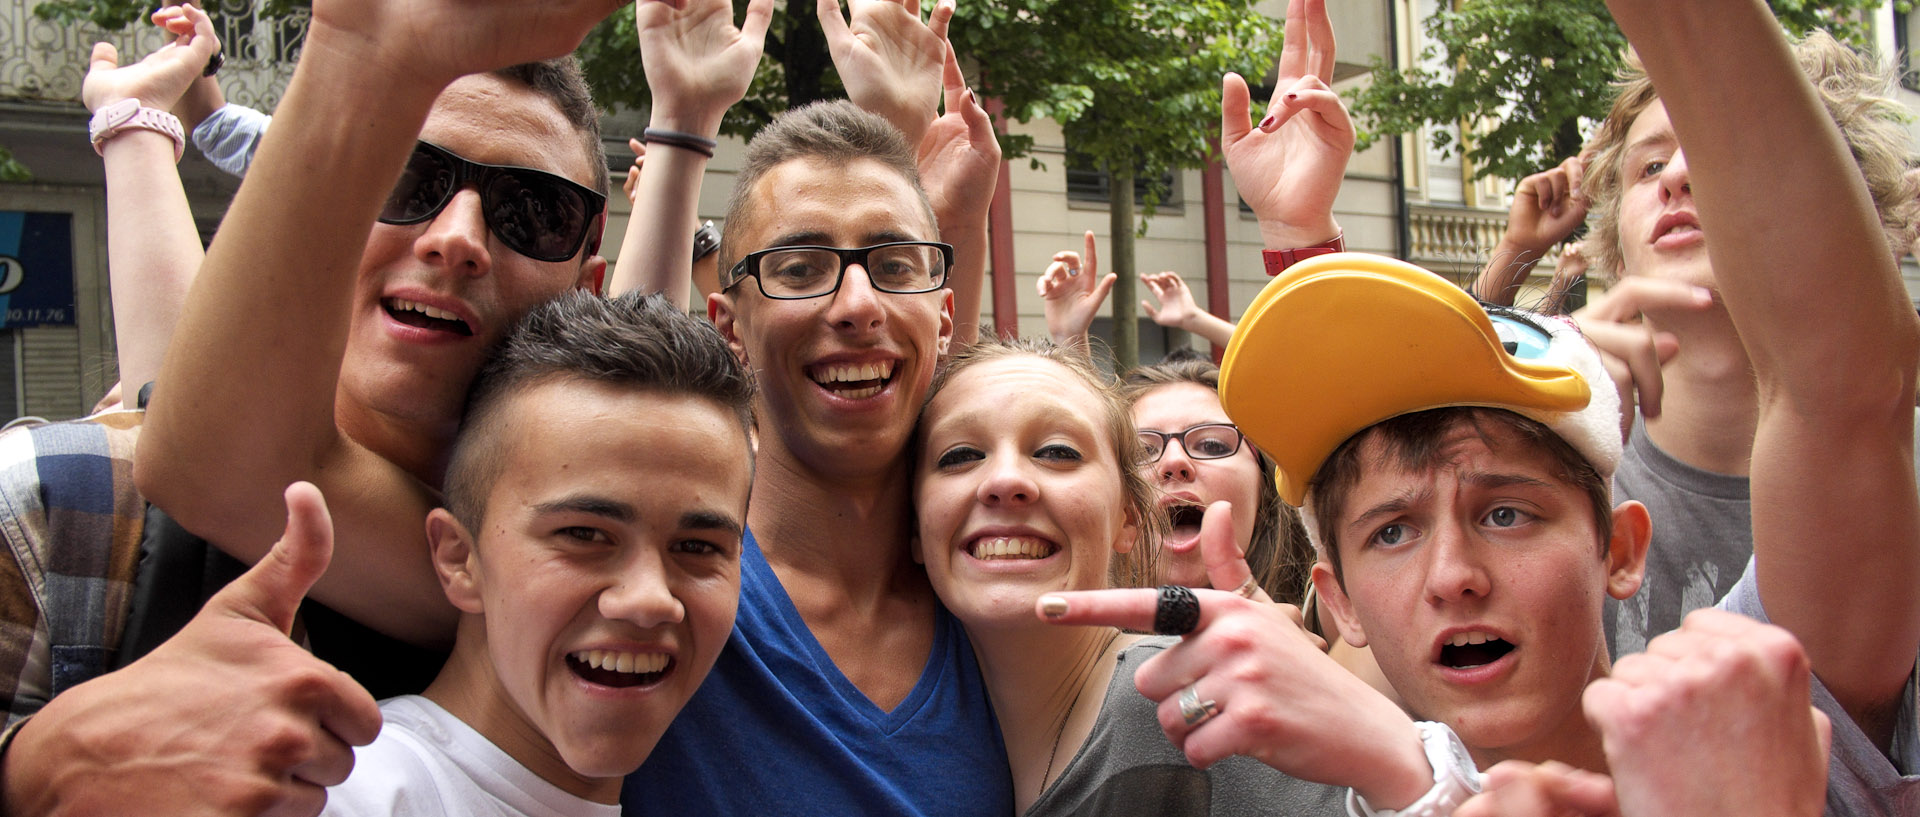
[(1702, 539), (1128, 767), (1861, 781)]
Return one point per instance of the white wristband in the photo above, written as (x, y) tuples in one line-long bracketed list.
[(1455, 778), (115, 118)]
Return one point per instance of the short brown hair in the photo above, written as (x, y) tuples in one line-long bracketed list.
[(635, 341), (835, 131), (1857, 93), (562, 83), (1134, 568), (1279, 554), (1412, 442)]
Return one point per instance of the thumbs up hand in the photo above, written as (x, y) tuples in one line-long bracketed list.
[(227, 717)]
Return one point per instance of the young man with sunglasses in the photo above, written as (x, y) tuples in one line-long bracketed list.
[(319, 344)]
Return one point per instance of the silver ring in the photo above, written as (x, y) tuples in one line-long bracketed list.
[(1247, 588), (1195, 711)]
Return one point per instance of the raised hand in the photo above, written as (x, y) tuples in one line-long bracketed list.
[(697, 63), (629, 186), (1071, 294), (438, 41), (1176, 300), (165, 75), (959, 163), (888, 58), (1289, 168), (226, 717), (1547, 207), (1714, 717), (1178, 310), (959, 157)]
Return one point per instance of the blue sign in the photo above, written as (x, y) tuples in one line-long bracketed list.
[(36, 269)]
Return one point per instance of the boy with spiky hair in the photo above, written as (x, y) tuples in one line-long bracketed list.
[(596, 498)]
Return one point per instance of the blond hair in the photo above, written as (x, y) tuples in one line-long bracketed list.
[(1857, 93)]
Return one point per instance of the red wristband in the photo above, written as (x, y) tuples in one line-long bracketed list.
[(1279, 260)]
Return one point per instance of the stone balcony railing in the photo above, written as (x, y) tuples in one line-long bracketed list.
[(1458, 241), (1444, 235), (42, 60)]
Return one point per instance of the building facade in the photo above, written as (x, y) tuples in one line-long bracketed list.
[(1401, 197)]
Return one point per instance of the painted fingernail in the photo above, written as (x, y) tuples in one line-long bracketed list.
[(1293, 97), (1267, 123), (969, 96), (1053, 606)]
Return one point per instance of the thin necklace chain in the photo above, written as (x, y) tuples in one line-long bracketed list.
[(1062, 731)]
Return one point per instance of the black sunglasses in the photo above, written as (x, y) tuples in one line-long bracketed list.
[(534, 213)]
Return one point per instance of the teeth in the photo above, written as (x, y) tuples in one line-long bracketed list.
[(413, 306), (1463, 639), (852, 372), (642, 663), (1011, 547)]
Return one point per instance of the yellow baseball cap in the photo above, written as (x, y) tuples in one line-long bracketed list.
[(1342, 341)]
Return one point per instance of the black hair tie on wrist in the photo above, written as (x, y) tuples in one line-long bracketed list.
[(685, 141)]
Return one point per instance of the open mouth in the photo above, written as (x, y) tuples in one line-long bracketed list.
[(620, 670), (1468, 650), (1184, 519), (1008, 548), (420, 315), (854, 381)]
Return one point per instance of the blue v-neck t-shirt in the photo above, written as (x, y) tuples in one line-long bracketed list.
[(776, 728)]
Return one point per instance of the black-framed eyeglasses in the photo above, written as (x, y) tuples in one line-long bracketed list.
[(537, 214), (1208, 441), (790, 273)]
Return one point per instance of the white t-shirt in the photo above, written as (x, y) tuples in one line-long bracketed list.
[(427, 762)]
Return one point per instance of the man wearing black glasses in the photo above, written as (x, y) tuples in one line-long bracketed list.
[(410, 203), (858, 693)]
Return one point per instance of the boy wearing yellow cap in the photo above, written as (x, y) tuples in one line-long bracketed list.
[(1455, 466)]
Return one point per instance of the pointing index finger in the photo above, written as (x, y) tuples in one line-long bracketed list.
[(1127, 608)]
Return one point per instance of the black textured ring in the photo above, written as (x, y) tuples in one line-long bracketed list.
[(214, 62), (1178, 612)]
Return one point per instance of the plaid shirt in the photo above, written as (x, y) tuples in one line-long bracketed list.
[(71, 520)]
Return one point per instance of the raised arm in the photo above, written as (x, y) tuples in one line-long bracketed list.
[(1547, 207), (246, 401), (888, 58), (153, 247), (1805, 272), (1071, 292), (1289, 168), (959, 163), (698, 65), (1178, 310)]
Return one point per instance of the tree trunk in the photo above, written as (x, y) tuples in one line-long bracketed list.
[(1126, 303)]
